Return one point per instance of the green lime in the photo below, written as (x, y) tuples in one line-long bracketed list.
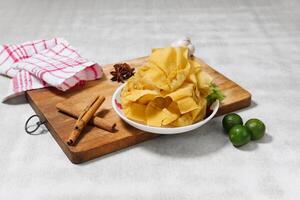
[(239, 135), (230, 120), (256, 127)]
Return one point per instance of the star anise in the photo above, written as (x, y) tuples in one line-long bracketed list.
[(122, 72)]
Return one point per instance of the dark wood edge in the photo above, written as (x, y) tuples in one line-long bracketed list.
[(83, 156)]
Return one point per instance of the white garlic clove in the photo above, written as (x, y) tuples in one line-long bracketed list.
[(183, 43), (191, 48), (188, 39)]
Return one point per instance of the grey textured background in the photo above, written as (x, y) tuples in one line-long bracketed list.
[(255, 43)]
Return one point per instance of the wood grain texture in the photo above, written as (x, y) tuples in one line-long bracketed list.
[(95, 142)]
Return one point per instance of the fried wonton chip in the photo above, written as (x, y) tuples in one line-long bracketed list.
[(169, 90)]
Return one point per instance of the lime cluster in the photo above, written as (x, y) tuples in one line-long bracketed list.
[(239, 134)]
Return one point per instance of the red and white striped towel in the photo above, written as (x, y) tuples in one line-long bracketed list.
[(44, 63)]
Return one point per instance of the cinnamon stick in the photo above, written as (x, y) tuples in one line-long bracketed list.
[(95, 120), (84, 118)]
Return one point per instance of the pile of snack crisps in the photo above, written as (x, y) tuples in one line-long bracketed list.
[(170, 90)]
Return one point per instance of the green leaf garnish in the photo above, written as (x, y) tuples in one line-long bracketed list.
[(215, 94)]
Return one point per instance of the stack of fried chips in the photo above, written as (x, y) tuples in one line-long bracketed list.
[(169, 91)]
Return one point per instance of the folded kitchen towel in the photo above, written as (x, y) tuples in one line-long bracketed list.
[(45, 63)]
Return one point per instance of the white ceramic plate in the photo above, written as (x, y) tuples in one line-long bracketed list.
[(118, 108)]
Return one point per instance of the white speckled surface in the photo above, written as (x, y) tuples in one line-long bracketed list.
[(256, 43)]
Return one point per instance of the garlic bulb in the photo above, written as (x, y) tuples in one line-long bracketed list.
[(185, 42)]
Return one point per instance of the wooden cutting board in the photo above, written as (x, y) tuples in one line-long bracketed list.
[(96, 142)]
